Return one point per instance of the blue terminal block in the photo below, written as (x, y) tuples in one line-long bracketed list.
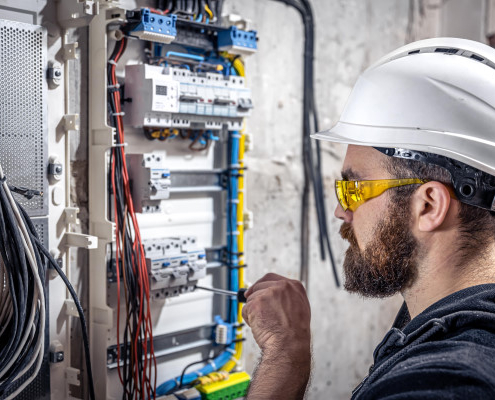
[(147, 25), (237, 41)]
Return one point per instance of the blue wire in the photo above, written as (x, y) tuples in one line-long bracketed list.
[(184, 55), (232, 243), (172, 384)]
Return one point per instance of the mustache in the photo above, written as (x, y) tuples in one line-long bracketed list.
[(347, 233)]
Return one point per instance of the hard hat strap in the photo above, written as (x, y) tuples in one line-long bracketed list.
[(471, 185)]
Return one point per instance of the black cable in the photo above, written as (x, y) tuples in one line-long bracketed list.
[(21, 284), (313, 176), (35, 239), (191, 365)]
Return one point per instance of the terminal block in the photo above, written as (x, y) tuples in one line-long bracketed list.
[(174, 265), (146, 25), (234, 387), (224, 331), (237, 41), (150, 179), (195, 100)]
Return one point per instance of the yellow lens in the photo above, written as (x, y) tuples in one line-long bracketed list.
[(351, 194), (339, 191)]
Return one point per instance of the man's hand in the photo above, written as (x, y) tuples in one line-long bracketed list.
[(278, 312)]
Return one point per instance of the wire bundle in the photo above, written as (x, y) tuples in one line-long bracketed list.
[(312, 168), (207, 11), (23, 263), (138, 374), (22, 297)]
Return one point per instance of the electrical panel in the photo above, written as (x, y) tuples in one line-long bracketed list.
[(169, 101), (168, 104)]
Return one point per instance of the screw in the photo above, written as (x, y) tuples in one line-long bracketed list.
[(58, 73)]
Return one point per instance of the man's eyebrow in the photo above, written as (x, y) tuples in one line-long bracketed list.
[(350, 175)]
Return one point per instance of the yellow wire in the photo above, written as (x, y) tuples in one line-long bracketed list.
[(239, 66), (208, 11), (231, 364)]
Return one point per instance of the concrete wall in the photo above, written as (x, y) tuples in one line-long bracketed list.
[(350, 35)]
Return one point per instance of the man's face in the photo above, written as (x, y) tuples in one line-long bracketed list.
[(382, 253)]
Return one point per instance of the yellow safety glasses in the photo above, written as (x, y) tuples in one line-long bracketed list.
[(351, 194)]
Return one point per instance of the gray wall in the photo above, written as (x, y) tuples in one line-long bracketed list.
[(350, 35)]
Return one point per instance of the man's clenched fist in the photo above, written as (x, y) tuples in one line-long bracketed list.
[(278, 312)]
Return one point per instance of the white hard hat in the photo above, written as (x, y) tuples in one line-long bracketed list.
[(435, 96)]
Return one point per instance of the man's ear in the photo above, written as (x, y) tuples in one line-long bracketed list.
[(431, 204)]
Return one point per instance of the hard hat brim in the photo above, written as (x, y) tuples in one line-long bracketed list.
[(442, 143)]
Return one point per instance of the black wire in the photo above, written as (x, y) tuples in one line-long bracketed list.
[(313, 176), (191, 365), (54, 264)]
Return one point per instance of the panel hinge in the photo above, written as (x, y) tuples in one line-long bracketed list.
[(70, 308), (70, 52), (71, 215), (72, 376), (71, 122), (73, 239)]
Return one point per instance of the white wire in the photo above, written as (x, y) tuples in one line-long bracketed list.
[(38, 303)]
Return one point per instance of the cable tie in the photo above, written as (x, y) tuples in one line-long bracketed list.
[(27, 193), (235, 233), (116, 86), (240, 223), (235, 360), (121, 114), (231, 351), (231, 266), (235, 201), (112, 62), (199, 373), (236, 136), (212, 363), (234, 166), (120, 144)]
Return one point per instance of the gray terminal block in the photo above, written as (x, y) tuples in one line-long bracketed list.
[(150, 179)]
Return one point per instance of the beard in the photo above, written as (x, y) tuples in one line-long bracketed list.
[(388, 264)]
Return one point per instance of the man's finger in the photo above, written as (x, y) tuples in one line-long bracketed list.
[(270, 277)]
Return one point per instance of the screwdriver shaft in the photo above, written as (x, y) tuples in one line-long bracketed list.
[(219, 291)]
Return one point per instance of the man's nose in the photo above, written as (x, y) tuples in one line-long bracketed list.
[(345, 216)]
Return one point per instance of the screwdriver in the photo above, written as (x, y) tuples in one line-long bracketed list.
[(241, 298)]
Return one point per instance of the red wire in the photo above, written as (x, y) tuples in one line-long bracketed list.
[(141, 272)]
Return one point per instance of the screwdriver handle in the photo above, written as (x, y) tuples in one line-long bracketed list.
[(241, 297)]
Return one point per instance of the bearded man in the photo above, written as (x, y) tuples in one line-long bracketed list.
[(417, 201)]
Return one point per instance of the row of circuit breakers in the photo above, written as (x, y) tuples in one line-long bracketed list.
[(167, 99)]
